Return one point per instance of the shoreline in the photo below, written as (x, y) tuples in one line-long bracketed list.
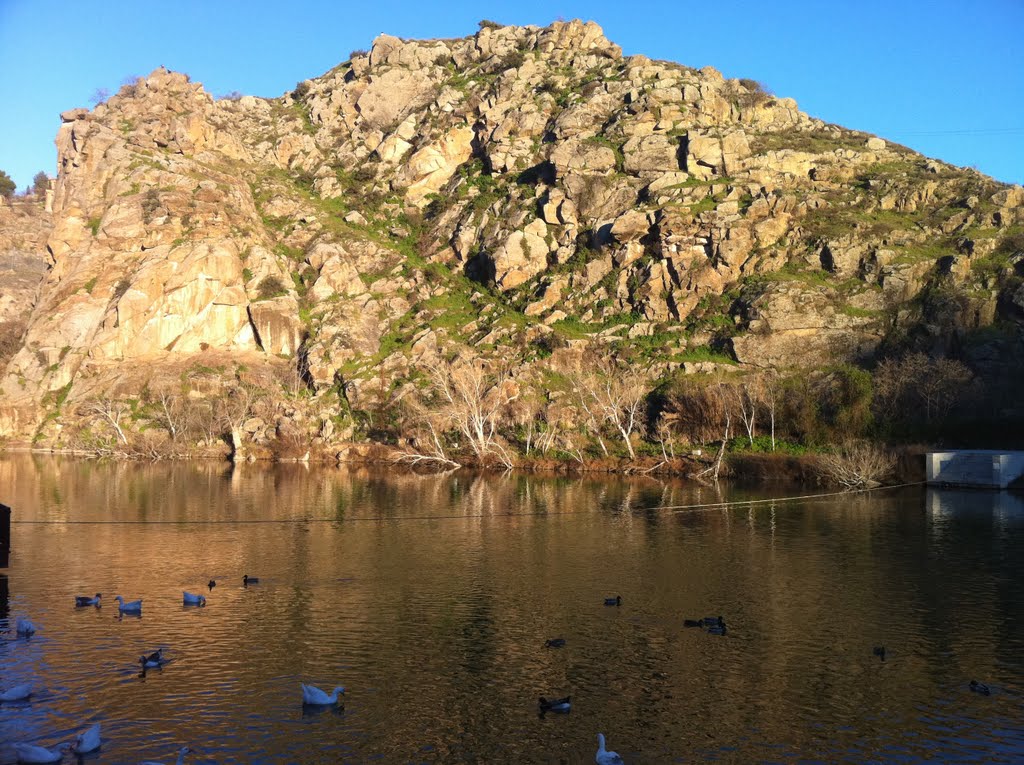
[(759, 467)]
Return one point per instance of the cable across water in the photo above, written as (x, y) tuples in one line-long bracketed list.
[(379, 519)]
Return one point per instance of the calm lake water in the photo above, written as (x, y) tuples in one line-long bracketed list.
[(430, 599)]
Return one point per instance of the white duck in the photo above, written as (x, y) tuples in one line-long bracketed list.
[(313, 695), (17, 693), (24, 627), (603, 756), (181, 757), (191, 599), (88, 741), (131, 607), (33, 753)]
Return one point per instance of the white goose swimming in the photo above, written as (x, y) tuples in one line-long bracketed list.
[(603, 756), (24, 627), (313, 695), (17, 692), (88, 741), (191, 599), (181, 757), (131, 607), (35, 754)]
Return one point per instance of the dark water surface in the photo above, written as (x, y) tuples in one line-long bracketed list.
[(430, 598)]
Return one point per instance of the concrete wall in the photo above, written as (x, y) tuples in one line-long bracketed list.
[(980, 468)]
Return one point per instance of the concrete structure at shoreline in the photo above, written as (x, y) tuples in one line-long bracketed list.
[(981, 468)]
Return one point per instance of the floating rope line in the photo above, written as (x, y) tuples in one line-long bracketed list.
[(240, 522), (734, 502)]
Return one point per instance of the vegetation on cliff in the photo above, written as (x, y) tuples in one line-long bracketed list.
[(514, 246)]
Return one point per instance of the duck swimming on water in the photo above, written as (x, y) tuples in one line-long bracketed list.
[(716, 627), (88, 741), (35, 754), (129, 607), (17, 692), (247, 580), (190, 599), (605, 757), (85, 600), (313, 695), (155, 659), (554, 643), (616, 601), (24, 627), (981, 688), (555, 705)]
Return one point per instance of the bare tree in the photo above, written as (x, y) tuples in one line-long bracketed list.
[(916, 384), (236, 407), (472, 400), (858, 464), (666, 439), (526, 412), (203, 418), (548, 431), (586, 402), (427, 444), (109, 411), (167, 410), (615, 396), (722, 392), (770, 396), (745, 395)]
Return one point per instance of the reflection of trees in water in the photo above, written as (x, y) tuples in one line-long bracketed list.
[(807, 587)]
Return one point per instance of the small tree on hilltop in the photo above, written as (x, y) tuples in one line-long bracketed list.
[(40, 183), (7, 186)]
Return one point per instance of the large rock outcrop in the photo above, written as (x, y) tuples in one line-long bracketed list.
[(491, 192)]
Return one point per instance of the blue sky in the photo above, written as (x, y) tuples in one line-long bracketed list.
[(944, 77)]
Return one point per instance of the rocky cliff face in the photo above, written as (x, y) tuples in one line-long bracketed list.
[(24, 228), (503, 195)]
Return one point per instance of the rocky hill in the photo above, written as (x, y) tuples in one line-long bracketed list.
[(24, 228), (527, 197)]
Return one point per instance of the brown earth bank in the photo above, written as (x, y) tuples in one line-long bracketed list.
[(516, 248)]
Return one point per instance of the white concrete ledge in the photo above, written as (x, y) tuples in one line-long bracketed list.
[(981, 468)]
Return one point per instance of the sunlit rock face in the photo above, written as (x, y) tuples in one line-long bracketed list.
[(478, 193)]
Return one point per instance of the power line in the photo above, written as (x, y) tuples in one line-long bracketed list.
[(958, 131)]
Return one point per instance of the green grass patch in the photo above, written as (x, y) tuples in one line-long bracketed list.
[(705, 353), (811, 142), (763, 445)]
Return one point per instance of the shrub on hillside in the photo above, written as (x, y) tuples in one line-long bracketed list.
[(270, 287), (7, 185), (10, 340), (858, 464)]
